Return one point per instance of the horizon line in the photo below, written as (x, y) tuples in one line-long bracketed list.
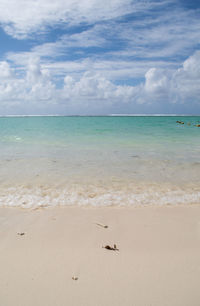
[(108, 115)]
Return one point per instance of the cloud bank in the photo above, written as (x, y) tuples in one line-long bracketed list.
[(36, 91)]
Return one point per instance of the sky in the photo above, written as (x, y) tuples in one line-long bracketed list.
[(91, 57)]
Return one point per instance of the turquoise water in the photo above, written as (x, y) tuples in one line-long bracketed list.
[(99, 161)]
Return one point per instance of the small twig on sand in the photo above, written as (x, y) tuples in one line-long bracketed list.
[(74, 277), (21, 234), (108, 247), (102, 225)]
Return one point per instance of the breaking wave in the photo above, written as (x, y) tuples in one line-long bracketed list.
[(96, 197)]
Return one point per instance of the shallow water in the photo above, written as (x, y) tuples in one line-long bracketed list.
[(96, 161)]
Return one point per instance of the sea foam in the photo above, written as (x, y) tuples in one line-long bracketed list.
[(49, 197)]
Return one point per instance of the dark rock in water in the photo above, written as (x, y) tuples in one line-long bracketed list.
[(180, 122)]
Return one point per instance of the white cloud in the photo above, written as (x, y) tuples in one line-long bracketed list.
[(192, 66), (118, 51), (20, 18), (95, 93), (96, 87), (5, 70), (156, 81), (159, 41), (180, 86), (34, 87), (186, 80), (145, 51), (114, 69)]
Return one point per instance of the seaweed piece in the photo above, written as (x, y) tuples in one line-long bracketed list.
[(108, 247), (21, 234), (102, 225)]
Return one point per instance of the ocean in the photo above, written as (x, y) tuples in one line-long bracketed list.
[(99, 161)]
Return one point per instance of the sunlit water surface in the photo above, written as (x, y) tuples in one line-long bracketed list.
[(99, 161)]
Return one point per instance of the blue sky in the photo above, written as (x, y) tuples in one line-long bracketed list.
[(99, 57)]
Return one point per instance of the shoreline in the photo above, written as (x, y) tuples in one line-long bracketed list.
[(158, 262)]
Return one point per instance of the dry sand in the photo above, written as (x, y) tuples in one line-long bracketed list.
[(158, 262)]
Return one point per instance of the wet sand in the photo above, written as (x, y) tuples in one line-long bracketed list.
[(158, 262)]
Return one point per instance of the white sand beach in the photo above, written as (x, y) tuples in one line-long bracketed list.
[(158, 262)]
